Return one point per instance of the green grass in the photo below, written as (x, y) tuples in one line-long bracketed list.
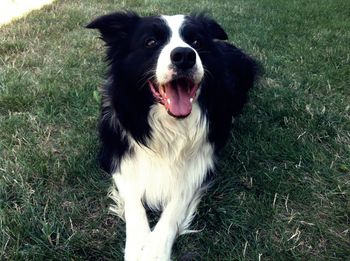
[(283, 182)]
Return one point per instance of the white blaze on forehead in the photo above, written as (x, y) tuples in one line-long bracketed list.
[(164, 71), (174, 22)]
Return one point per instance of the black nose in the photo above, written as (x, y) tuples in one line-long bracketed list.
[(183, 57)]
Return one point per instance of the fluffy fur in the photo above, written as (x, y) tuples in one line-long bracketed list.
[(173, 86)]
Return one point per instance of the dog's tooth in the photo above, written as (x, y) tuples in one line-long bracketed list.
[(168, 101), (191, 100)]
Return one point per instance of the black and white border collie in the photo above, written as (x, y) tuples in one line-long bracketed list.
[(173, 88)]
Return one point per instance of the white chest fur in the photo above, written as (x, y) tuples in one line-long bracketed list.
[(174, 164), (178, 157)]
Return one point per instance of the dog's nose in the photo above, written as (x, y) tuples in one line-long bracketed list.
[(183, 57)]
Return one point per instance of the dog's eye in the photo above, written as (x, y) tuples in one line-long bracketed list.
[(151, 42)]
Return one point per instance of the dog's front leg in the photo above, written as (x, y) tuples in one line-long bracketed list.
[(137, 226), (137, 229), (174, 220)]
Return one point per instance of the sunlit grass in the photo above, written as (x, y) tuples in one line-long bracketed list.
[(12, 9)]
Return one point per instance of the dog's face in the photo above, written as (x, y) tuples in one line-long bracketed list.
[(165, 54)]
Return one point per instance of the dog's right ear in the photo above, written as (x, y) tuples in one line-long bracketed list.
[(114, 27)]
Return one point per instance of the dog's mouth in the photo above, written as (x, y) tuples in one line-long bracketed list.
[(177, 95)]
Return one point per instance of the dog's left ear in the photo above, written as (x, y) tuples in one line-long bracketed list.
[(212, 27), (216, 30), (114, 27)]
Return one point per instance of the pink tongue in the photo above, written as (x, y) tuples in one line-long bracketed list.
[(180, 104)]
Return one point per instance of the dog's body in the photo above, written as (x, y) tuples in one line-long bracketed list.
[(167, 107)]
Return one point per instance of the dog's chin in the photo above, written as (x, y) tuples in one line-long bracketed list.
[(177, 95)]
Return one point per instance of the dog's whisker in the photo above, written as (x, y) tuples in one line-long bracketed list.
[(147, 75)]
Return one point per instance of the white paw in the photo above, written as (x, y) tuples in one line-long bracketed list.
[(155, 249), (153, 254), (131, 255), (134, 246)]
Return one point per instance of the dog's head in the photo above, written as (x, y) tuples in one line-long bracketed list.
[(165, 54)]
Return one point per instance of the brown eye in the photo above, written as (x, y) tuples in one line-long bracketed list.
[(149, 43)]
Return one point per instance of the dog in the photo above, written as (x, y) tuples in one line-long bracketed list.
[(173, 88)]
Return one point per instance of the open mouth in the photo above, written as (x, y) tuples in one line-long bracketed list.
[(177, 95)]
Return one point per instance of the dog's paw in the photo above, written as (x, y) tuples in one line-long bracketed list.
[(155, 249), (134, 247), (131, 255), (153, 254)]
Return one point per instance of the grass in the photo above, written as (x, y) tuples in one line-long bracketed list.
[(283, 181)]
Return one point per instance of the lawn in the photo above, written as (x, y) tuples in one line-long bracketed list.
[(283, 181)]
